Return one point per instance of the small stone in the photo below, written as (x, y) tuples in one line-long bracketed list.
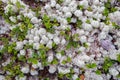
[(56, 40), (22, 52), (63, 70), (52, 68), (113, 71), (36, 39), (25, 69), (107, 44), (34, 20), (34, 72), (2, 77)]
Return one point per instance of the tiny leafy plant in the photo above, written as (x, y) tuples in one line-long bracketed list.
[(81, 7), (118, 58), (68, 60), (54, 62), (69, 19), (85, 45), (88, 21), (46, 22), (108, 8), (107, 64), (89, 9), (36, 10), (49, 24), (118, 76), (8, 14), (73, 44), (33, 60), (60, 1), (79, 23), (8, 48), (1, 8), (115, 25), (67, 75), (98, 72), (20, 35), (91, 65), (43, 57), (13, 69), (19, 5), (22, 58), (76, 37), (21, 31)]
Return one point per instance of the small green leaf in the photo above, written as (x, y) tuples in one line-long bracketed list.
[(118, 57), (76, 37), (45, 62), (48, 23), (79, 23), (42, 54), (62, 52), (69, 19), (85, 45), (68, 45), (33, 60), (68, 59), (60, 1), (28, 46), (105, 12), (88, 21), (107, 64), (81, 7), (108, 5), (69, 76), (4, 40), (115, 25), (113, 9), (98, 72), (64, 62), (78, 79), (55, 62), (67, 36), (1, 8), (118, 76), (72, 43), (46, 79), (60, 75), (43, 47), (19, 5), (22, 58), (54, 45), (89, 9), (62, 33), (91, 65)]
